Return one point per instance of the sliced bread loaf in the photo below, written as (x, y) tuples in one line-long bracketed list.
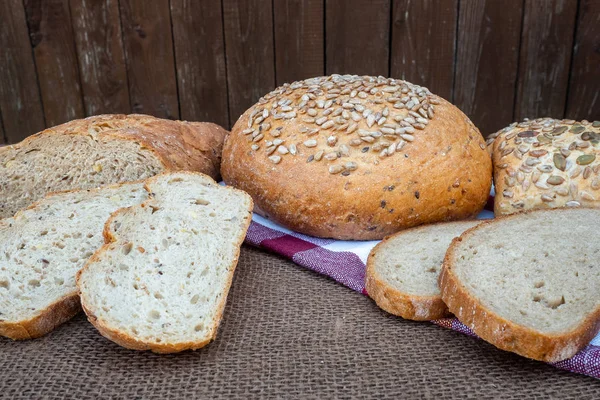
[(41, 250), (161, 281), (528, 283), (104, 149), (403, 270)]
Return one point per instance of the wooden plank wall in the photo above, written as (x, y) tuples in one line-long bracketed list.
[(498, 60)]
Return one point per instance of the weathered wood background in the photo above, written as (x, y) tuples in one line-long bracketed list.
[(498, 60)]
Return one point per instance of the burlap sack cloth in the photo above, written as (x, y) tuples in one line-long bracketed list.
[(287, 333)]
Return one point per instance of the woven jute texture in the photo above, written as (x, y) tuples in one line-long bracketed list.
[(286, 333)]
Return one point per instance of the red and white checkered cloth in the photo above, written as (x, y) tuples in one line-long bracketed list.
[(345, 261)]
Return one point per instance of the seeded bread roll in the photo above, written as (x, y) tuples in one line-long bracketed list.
[(546, 163), (90, 152), (351, 157)]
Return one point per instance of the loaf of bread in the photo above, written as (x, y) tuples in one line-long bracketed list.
[(546, 163), (104, 149), (528, 283), (161, 281), (43, 247), (352, 157), (403, 270)]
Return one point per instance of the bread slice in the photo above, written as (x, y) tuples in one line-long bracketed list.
[(161, 281), (104, 149), (403, 269), (41, 250), (528, 283)]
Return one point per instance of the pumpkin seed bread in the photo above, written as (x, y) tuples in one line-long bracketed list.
[(43, 247), (403, 270), (546, 163), (104, 149), (528, 283), (161, 280), (357, 157)]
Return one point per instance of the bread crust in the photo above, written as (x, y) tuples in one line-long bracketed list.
[(394, 301), (179, 145), (125, 340), (418, 185), (521, 186), (501, 332), (46, 321)]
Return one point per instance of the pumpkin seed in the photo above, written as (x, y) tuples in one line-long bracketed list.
[(527, 134), (577, 129), (559, 130), (543, 139), (586, 159), (560, 161)]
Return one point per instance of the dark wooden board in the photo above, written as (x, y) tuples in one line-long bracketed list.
[(148, 44), (357, 37), (249, 48), (299, 39), (423, 43), (200, 60), (97, 28), (546, 47), (53, 44), (486, 61), (584, 86), (20, 103), (2, 136)]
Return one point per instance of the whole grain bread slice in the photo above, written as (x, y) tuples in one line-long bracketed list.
[(43, 247), (161, 280), (528, 283), (403, 270)]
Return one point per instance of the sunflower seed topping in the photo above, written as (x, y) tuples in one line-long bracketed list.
[(335, 169), (555, 180)]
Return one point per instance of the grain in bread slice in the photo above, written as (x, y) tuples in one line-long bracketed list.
[(104, 149), (41, 250), (403, 270), (528, 283), (161, 281)]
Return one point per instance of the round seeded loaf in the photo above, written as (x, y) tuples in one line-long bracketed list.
[(546, 163), (352, 157)]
